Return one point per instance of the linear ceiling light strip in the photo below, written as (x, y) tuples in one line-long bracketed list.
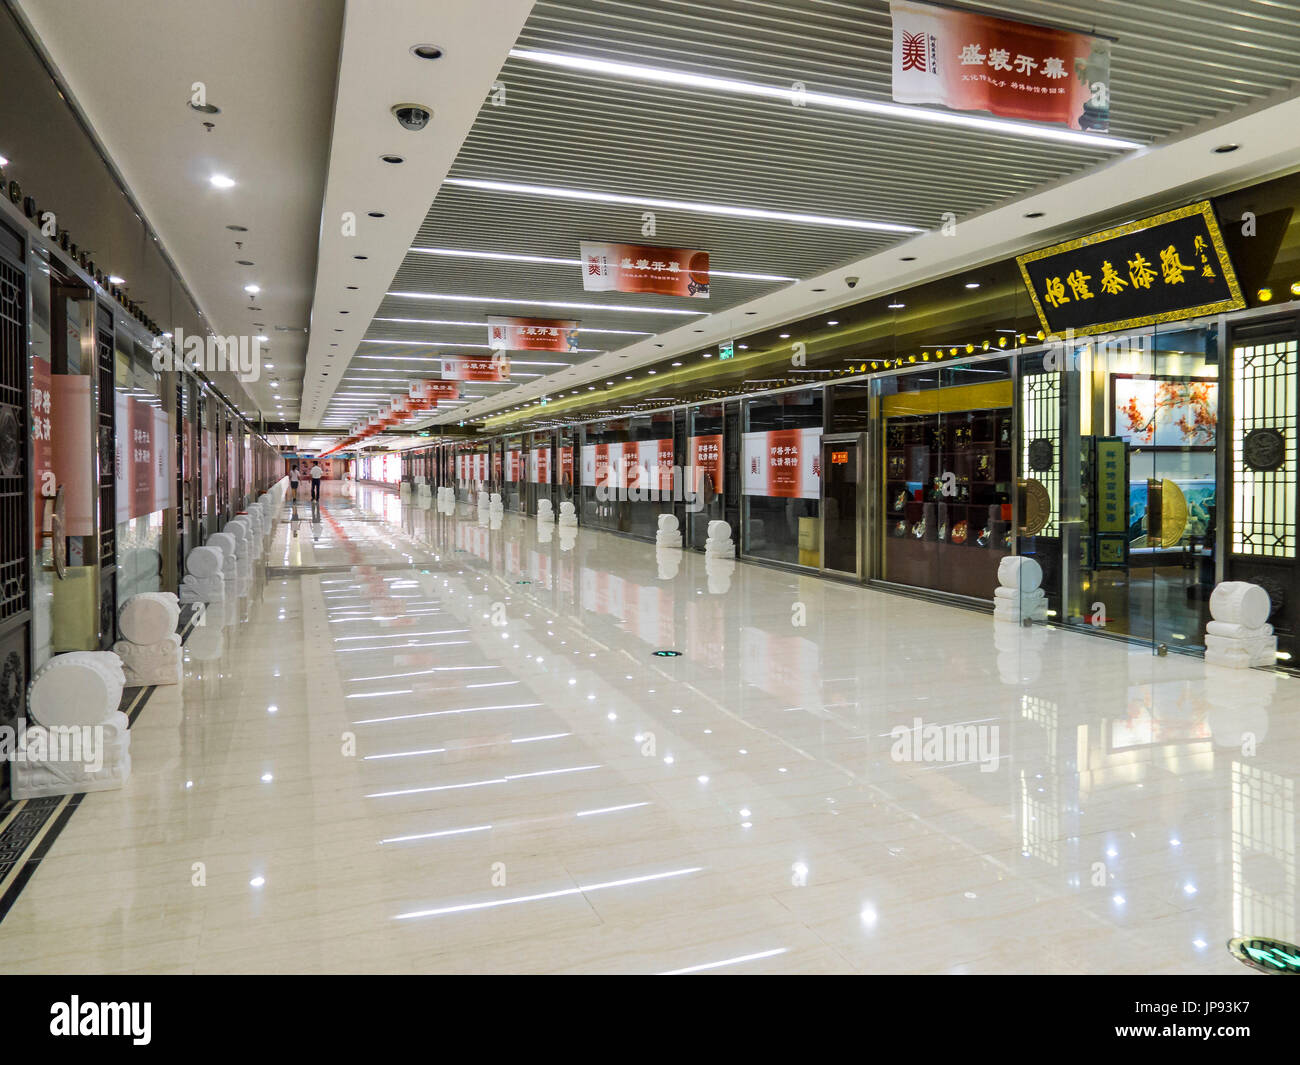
[(733, 86), (727, 210)]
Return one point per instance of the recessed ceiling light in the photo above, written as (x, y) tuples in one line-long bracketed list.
[(785, 336), (394, 159), (833, 322), (264, 338), (352, 288), (244, 262), (220, 181), (972, 284), (254, 308), (426, 51), (1033, 214), (3, 161), (252, 289), (113, 279), (1224, 149), (361, 256), (238, 229), (708, 354), (907, 259), (897, 306), (376, 214)]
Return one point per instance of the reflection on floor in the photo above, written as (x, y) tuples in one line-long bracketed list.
[(444, 743)]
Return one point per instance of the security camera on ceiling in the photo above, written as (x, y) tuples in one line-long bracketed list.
[(413, 117)]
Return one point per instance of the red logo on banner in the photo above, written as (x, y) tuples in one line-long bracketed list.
[(914, 51)]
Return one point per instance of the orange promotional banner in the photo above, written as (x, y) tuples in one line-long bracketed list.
[(783, 464), (706, 461), (644, 268), (972, 62), (493, 367), (542, 465), (532, 334), (42, 453), (427, 393)]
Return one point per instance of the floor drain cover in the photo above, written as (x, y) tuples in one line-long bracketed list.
[(1267, 955), (668, 654)]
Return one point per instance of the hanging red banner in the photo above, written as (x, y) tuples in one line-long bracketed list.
[(494, 367), (644, 268), (532, 334), (971, 62), (427, 393)]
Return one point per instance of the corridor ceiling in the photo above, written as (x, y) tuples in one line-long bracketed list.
[(1176, 63)]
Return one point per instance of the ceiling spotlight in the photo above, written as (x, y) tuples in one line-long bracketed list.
[(220, 181), (833, 322), (205, 109), (708, 354), (263, 338), (897, 305), (1033, 214), (1224, 149), (972, 284), (252, 290), (426, 51), (3, 161), (394, 159), (113, 279)]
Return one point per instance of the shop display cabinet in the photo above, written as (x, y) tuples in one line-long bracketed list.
[(947, 506)]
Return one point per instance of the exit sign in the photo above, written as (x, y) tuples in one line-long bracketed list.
[(727, 349)]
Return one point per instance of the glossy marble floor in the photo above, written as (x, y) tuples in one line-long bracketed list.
[(428, 744)]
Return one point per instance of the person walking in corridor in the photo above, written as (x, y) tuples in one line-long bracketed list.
[(316, 474), (293, 481)]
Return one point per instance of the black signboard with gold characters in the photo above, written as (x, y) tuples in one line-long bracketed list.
[(1160, 269)]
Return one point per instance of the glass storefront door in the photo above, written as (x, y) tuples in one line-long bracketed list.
[(705, 471), (1119, 482), (843, 503), (781, 474)]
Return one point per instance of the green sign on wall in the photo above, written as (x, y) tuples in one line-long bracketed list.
[(1111, 511)]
